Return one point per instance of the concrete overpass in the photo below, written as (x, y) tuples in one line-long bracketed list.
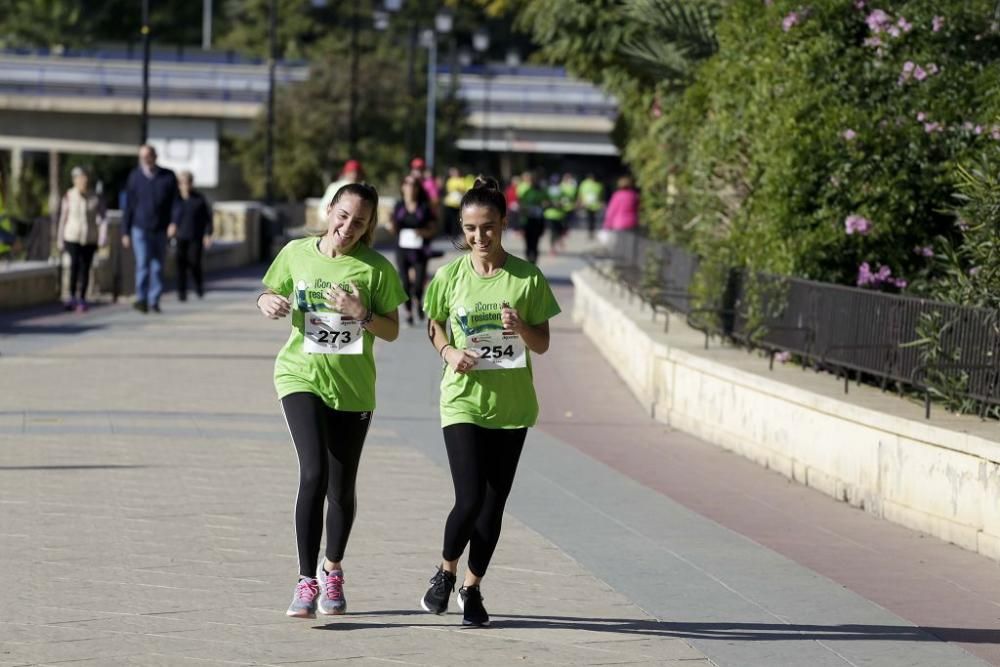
[(91, 103)]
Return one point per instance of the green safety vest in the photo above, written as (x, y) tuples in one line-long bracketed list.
[(591, 194), (555, 210)]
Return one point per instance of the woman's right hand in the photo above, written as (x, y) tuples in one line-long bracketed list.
[(273, 306), (461, 361)]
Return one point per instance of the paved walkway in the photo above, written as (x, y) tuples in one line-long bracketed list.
[(146, 483)]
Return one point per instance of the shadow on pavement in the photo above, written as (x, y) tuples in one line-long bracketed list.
[(719, 631), (79, 467)]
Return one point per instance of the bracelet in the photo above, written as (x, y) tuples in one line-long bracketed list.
[(260, 295), (443, 348), (369, 316)]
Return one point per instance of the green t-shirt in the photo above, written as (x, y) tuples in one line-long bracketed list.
[(300, 271), (471, 304)]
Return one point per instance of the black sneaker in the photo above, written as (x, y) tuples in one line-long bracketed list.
[(435, 600), (156, 308), (470, 601), (141, 306)]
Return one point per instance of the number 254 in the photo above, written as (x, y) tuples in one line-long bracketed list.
[(496, 352)]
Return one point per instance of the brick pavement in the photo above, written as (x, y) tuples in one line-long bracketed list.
[(146, 486)]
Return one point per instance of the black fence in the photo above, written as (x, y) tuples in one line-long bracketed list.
[(845, 330)]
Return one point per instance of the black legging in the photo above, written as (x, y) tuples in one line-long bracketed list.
[(328, 443), (534, 229), (80, 258), (591, 222), (189, 259), (483, 462), (417, 259)]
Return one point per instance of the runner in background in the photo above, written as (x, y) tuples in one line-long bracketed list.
[(413, 226), (590, 201), (531, 202), (454, 187)]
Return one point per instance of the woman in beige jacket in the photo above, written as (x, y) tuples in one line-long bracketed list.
[(82, 227)]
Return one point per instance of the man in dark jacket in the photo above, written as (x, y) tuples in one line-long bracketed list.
[(191, 225), (151, 192)]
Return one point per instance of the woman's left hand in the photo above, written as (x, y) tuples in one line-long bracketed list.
[(511, 319), (346, 303)]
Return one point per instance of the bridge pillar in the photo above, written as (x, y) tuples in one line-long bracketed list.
[(55, 195), (16, 167)]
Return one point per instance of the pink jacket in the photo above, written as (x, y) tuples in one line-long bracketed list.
[(623, 210)]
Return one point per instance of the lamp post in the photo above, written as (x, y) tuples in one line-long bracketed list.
[(206, 25), (272, 37), (144, 129), (481, 43), (443, 23)]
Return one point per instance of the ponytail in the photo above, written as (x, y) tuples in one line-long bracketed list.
[(486, 192)]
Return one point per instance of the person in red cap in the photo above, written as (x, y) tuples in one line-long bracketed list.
[(352, 172)]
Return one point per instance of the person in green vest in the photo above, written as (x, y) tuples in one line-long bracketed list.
[(590, 200), (557, 213), (531, 201)]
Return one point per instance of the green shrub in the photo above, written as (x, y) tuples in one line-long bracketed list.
[(801, 120)]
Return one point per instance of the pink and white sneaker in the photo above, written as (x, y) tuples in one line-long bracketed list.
[(304, 600), (331, 594)]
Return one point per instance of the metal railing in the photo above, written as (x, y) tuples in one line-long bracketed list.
[(831, 327)]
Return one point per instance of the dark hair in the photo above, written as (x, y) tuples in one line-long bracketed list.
[(486, 192), (366, 193), (422, 197)]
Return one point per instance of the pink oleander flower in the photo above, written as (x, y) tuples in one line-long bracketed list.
[(784, 356), (878, 21), (909, 66), (931, 128), (937, 23), (995, 135), (856, 224), (932, 69), (875, 42), (978, 130), (919, 73), (865, 275), (904, 25), (924, 251), (849, 134), (921, 116), (974, 270), (967, 126), (883, 276), (790, 21), (860, 4)]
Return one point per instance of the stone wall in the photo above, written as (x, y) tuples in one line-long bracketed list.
[(870, 449)]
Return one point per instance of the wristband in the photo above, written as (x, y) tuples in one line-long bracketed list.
[(369, 316), (258, 298), (443, 348)]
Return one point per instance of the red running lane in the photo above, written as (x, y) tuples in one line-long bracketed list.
[(952, 593)]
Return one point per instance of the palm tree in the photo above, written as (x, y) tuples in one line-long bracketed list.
[(674, 37)]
